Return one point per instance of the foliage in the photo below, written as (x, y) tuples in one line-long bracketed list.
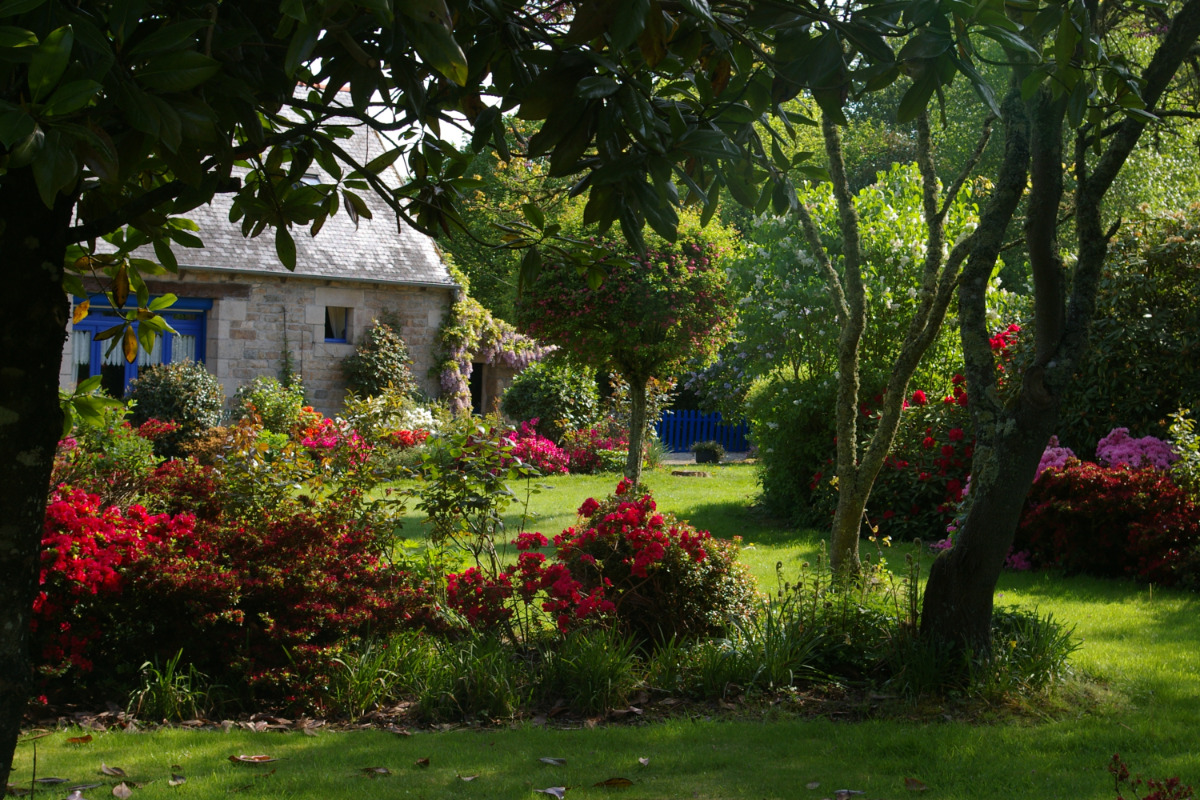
[(665, 578), (645, 319), (1118, 447), (1169, 789), (560, 396), (1110, 521), (377, 417), (532, 448), (469, 333), (184, 393), (593, 670), (109, 459), (1186, 470), (601, 448), (715, 451), (1137, 369), (171, 692), (277, 405), (380, 361)]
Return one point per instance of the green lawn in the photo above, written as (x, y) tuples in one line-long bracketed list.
[(1142, 646)]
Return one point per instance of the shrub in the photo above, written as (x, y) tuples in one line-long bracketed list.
[(558, 396), (593, 670), (277, 406), (1120, 448), (1142, 346), (532, 448), (602, 448), (376, 417), (1110, 521), (664, 578), (183, 392), (380, 360), (1186, 471), (110, 459)]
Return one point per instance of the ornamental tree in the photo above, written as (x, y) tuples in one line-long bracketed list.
[(647, 318)]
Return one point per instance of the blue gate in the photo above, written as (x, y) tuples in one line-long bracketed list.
[(679, 430)]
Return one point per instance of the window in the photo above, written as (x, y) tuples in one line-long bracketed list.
[(89, 357), (337, 324)]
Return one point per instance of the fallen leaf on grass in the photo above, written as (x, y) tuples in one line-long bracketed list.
[(422, 762), (83, 787), (845, 794), (375, 772), (914, 785), (115, 772), (557, 762), (34, 735), (467, 778), (123, 791), (812, 785), (80, 739), (645, 762), (176, 780), (553, 791), (16, 791), (51, 780), (615, 783), (258, 759), (76, 796)]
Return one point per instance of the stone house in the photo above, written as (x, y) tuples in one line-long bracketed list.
[(239, 310)]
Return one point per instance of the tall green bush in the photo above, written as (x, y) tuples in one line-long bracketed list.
[(276, 404), (559, 396), (1140, 366), (381, 360), (183, 392)]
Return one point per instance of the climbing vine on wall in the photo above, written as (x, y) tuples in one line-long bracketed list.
[(471, 334)]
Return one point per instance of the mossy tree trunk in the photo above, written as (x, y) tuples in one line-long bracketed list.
[(637, 426), (1010, 436), (33, 320)]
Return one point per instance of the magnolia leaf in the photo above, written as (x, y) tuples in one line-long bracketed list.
[(256, 759), (176, 780), (120, 286), (129, 348), (122, 790), (78, 315), (88, 737), (115, 772), (555, 791), (615, 783), (645, 762), (558, 762), (422, 762), (51, 781), (812, 785), (285, 247), (375, 772), (83, 787), (914, 785), (467, 778), (49, 61)]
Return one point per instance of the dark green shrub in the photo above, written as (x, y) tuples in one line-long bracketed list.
[(592, 669), (184, 393), (560, 397), (381, 360), (277, 406), (1140, 365)]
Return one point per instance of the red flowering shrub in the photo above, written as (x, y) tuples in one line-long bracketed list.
[(404, 440), (1110, 521), (663, 577)]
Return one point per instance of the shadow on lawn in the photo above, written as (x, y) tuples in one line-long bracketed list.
[(736, 518)]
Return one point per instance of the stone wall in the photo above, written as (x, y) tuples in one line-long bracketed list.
[(250, 316)]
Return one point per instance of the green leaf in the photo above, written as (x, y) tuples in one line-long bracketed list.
[(437, 46), (166, 257), (597, 86), (699, 8), (285, 247), (917, 96), (533, 215), (293, 9), (1009, 39), (165, 301), (15, 126), (177, 72), (16, 37), (167, 39), (10, 8), (71, 96), (383, 161), (49, 61)]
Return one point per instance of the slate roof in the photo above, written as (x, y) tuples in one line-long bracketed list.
[(380, 250)]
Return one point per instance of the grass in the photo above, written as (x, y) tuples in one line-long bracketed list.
[(1142, 646)]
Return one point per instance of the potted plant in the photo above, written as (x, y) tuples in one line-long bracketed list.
[(708, 452)]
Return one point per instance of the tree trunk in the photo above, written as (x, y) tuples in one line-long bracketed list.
[(637, 427), (33, 319)]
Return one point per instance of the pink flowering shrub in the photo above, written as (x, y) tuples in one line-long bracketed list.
[(1118, 447), (533, 448)]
